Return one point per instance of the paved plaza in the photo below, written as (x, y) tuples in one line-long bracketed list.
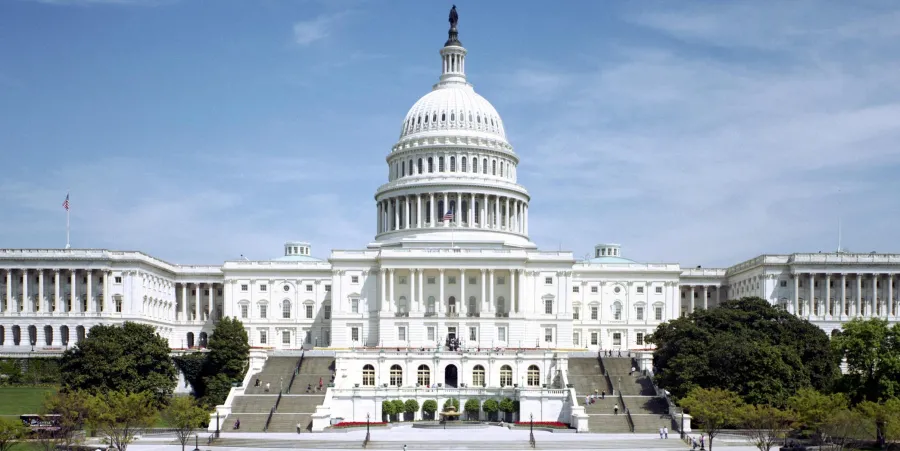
[(494, 437)]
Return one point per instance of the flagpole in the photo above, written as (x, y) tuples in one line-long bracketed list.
[(67, 221)]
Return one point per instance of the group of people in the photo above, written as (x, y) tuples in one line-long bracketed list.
[(592, 398), (663, 432), (616, 353), (695, 444), (309, 387)]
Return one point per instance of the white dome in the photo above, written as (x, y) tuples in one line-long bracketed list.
[(456, 108)]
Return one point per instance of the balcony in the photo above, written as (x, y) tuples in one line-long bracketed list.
[(473, 314), (430, 314), (401, 314), (452, 314), (502, 314)]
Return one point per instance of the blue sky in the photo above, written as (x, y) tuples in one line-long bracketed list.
[(702, 133)]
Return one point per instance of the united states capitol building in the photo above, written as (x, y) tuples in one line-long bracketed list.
[(451, 261)]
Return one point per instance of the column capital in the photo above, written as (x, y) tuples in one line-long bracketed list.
[(491, 271), (483, 270), (441, 271)]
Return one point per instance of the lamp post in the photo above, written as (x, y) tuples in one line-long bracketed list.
[(196, 442), (367, 427), (531, 432), (217, 424), (682, 424)]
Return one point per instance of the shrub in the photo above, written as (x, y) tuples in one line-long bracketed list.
[(490, 407), (356, 424), (399, 407), (452, 401), (429, 407), (411, 406), (472, 408), (544, 424)]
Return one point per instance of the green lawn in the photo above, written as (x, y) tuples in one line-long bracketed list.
[(19, 400)]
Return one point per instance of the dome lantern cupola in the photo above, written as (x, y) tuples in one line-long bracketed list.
[(295, 248), (607, 250), (453, 55)]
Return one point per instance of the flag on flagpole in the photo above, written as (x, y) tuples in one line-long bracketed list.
[(66, 202), (449, 215)]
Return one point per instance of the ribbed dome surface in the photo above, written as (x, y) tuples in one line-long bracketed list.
[(453, 108)]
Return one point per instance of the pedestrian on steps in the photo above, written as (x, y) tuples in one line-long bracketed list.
[(660, 433), (603, 394), (665, 432), (268, 385), (616, 409)]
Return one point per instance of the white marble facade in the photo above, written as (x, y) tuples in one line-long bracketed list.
[(451, 257)]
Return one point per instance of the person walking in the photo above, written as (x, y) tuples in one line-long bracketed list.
[(268, 385), (616, 409), (660, 433), (665, 432), (603, 394)]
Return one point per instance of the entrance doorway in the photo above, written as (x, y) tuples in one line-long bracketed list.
[(451, 333), (451, 377)]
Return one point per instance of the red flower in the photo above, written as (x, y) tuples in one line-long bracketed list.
[(355, 424), (544, 424)]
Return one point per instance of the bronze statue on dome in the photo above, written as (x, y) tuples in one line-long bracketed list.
[(454, 17)]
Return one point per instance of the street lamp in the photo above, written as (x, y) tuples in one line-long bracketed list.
[(367, 427), (196, 442), (531, 434), (682, 424)]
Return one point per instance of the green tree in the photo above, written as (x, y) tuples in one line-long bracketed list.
[(714, 409), (767, 425), (452, 402), (814, 410), (185, 416), (885, 416), (399, 408), (388, 409), (410, 407), (131, 358), (472, 407), (846, 427), (73, 409), (746, 346), (192, 365), (507, 407), (490, 407), (121, 416), (429, 407), (12, 431), (226, 361)]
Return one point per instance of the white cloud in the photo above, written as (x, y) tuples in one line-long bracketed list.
[(309, 31), (102, 2)]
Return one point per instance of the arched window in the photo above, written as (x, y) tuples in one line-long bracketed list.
[(493, 167), (424, 376), (434, 117), (475, 165), (501, 169), (440, 164), (506, 376), (263, 310), (286, 309), (426, 118), (411, 170), (472, 304), (534, 376), (479, 118), (451, 305), (462, 164), (402, 305), (244, 306), (48, 335), (403, 169), (429, 307), (501, 304), (478, 376), (420, 165), (443, 117), (368, 376), (419, 120), (452, 116), (430, 165), (452, 164), (484, 166), (617, 310), (396, 378)]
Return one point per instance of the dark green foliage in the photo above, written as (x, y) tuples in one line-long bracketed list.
[(226, 361), (429, 407), (747, 346), (452, 402), (490, 407), (411, 406), (872, 350), (30, 371), (472, 407), (192, 366), (131, 358)]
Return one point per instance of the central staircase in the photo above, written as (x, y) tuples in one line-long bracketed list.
[(648, 412), (253, 407)]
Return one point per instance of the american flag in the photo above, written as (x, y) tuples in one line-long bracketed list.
[(449, 215), (66, 203)]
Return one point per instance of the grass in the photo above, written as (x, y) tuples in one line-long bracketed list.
[(19, 400)]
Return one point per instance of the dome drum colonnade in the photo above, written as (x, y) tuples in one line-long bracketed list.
[(452, 156)]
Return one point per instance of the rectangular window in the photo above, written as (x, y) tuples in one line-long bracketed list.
[(473, 334), (574, 289), (244, 311), (640, 313), (575, 314), (501, 333), (262, 337), (309, 289), (401, 333), (575, 339), (327, 288), (355, 279), (658, 290), (430, 280), (354, 334), (309, 312), (548, 281), (595, 312), (548, 306), (639, 339), (118, 306), (243, 287), (640, 290), (307, 337), (658, 314), (451, 280), (263, 287), (472, 281), (285, 337), (430, 333), (595, 338), (501, 280), (327, 313), (218, 292), (263, 310), (354, 305), (286, 310), (548, 335), (593, 289), (617, 339), (118, 279)]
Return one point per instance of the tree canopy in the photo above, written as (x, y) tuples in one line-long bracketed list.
[(714, 408), (872, 350), (184, 415), (226, 361), (131, 358), (746, 346), (121, 416)]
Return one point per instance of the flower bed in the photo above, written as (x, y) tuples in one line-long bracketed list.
[(358, 424), (543, 424)]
